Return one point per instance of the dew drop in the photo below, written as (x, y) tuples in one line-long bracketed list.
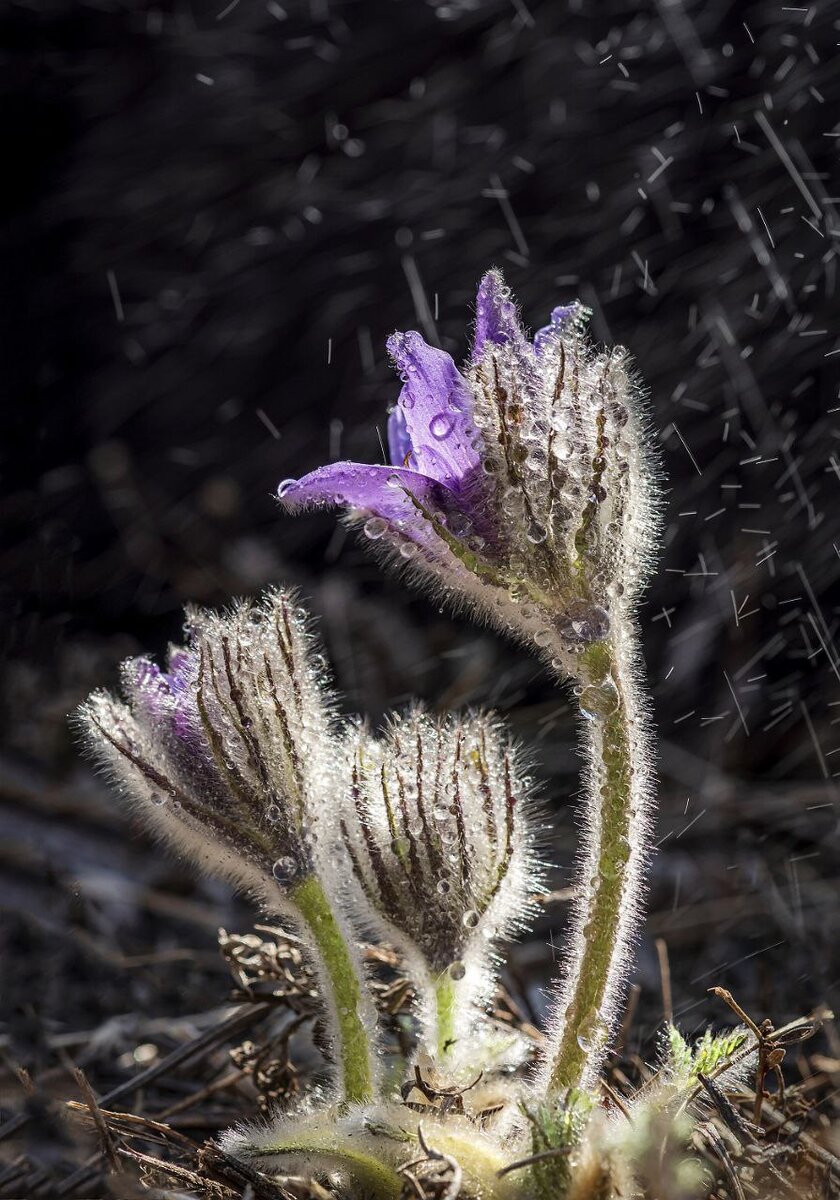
[(441, 426), (536, 533), (284, 869), (375, 527), (593, 1034), (157, 798), (444, 887), (599, 700), (457, 970), (470, 919), (584, 622), (285, 487)]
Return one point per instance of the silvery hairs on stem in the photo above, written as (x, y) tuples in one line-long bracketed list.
[(441, 831), (231, 756), (521, 486)]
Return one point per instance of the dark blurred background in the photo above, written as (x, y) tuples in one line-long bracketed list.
[(213, 216)]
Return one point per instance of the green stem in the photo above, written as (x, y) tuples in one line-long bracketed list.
[(446, 1009), (611, 879), (342, 977)]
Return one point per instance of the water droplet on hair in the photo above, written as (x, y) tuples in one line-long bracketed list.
[(457, 970), (599, 700), (375, 527), (157, 798), (470, 919), (584, 622), (593, 1034), (284, 869)]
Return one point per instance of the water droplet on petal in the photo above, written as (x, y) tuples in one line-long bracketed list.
[(285, 487)]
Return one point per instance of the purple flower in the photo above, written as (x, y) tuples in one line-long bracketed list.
[(519, 484)]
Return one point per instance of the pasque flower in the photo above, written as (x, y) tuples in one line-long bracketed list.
[(523, 486), (230, 755), (519, 484), (440, 829)]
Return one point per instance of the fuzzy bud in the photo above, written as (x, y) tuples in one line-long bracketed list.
[(226, 751), (438, 825)]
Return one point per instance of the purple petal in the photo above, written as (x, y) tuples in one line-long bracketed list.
[(399, 440), (437, 406), (162, 699), (149, 687), (496, 318), (394, 495), (563, 319), (183, 669)]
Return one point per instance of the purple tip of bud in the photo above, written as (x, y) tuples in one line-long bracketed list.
[(166, 697), (496, 317), (183, 668), (399, 439), (150, 685), (564, 319)]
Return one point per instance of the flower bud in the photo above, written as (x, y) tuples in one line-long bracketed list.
[(227, 751), (439, 828)]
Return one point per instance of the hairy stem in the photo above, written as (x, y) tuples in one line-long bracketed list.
[(342, 978), (611, 880)]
